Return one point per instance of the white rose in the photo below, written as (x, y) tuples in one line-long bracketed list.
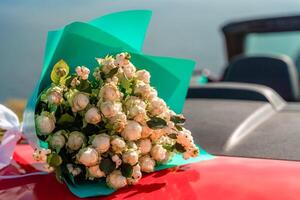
[(157, 106), (92, 116), (88, 156), (152, 94), (144, 146), (116, 159), (136, 175), (95, 172), (118, 144), (119, 121), (158, 153), (55, 95), (101, 143), (129, 70), (130, 157), (142, 89), (115, 180), (45, 123), (76, 140), (143, 75), (110, 109), (80, 101), (132, 131), (110, 92), (57, 140), (147, 164)]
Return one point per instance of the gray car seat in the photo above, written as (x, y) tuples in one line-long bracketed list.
[(276, 72)]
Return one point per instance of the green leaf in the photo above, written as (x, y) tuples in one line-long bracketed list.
[(169, 147), (179, 128), (126, 84), (156, 123), (66, 118), (126, 170), (107, 166), (59, 72), (172, 135), (58, 174), (54, 160), (112, 72), (179, 147), (178, 119), (84, 86)]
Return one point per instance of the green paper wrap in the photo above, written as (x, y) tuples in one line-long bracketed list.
[(79, 43)]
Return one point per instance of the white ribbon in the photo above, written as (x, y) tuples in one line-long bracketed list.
[(10, 123)]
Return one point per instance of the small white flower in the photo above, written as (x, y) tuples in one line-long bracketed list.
[(142, 89), (57, 140), (121, 59), (109, 92), (76, 140), (116, 159), (158, 153), (136, 109), (157, 106), (92, 116), (144, 146), (82, 72), (75, 82), (55, 95), (40, 155), (147, 164), (88, 156), (80, 101), (101, 143), (119, 121), (107, 64), (185, 138), (143, 75), (110, 109), (115, 180), (75, 171), (95, 172), (131, 157), (118, 144), (132, 131), (45, 123), (129, 70)]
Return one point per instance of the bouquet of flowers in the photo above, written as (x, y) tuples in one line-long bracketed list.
[(110, 125)]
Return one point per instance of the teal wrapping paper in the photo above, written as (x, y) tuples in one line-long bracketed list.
[(79, 43)]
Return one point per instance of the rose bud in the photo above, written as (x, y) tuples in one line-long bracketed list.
[(88, 157), (82, 72), (76, 140), (75, 171), (118, 144), (45, 123), (57, 140), (121, 59), (92, 116), (143, 75), (132, 131), (129, 70), (107, 64), (131, 157), (158, 153), (116, 159), (152, 94), (95, 172), (119, 122), (136, 175), (115, 180), (109, 92), (157, 106), (142, 89), (110, 109), (101, 143), (80, 101), (144, 146), (55, 95), (147, 164)]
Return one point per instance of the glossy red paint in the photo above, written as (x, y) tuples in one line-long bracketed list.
[(217, 179)]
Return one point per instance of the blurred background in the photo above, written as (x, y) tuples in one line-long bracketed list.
[(188, 29)]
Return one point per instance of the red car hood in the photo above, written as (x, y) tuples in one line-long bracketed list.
[(220, 178)]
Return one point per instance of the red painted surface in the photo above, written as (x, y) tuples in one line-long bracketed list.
[(218, 179)]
